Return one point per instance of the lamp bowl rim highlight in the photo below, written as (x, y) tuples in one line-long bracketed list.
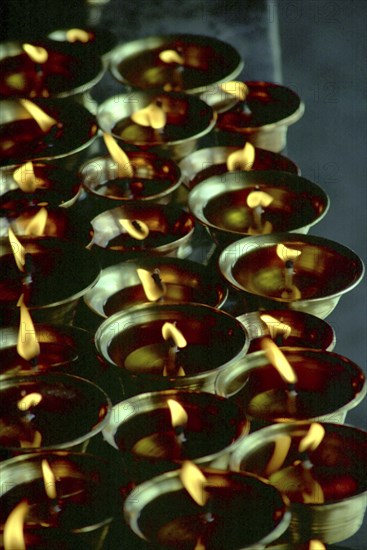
[(117, 277), (61, 379), (142, 315), (145, 402), (89, 63), (233, 183), (168, 41), (192, 165), (105, 164), (320, 305), (70, 113), (334, 520), (233, 382), (147, 491)]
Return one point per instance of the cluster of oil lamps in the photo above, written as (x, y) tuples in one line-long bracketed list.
[(132, 398)]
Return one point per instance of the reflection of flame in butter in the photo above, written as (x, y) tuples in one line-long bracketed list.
[(312, 439), (37, 224), (279, 361), (171, 56), (49, 479), (152, 288), (35, 443), (72, 35), (275, 326), (242, 159), (316, 545), (235, 88), (30, 400), (125, 168), (26, 179), (13, 528), (27, 344), (170, 331), (36, 53), (135, 228), (194, 482), (44, 121), (179, 416), (286, 254), (17, 249), (282, 445), (152, 115)]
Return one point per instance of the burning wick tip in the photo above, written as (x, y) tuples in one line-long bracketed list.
[(289, 264), (292, 390)]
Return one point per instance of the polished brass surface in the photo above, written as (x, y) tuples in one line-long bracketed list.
[(324, 271), (100, 41)]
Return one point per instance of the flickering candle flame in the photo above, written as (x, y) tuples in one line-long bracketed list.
[(316, 545), (153, 115), (13, 528), (135, 228), (36, 53), (44, 121), (26, 179), (72, 35), (171, 332), (287, 254), (259, 198), (171, 56), (194, 482), (282, 445), (176, 340), (179, 416), (27, 344), (152, 284), (49, 480), (279, 361), (256, 200), (275, 326), (125, 168), (235, 88), (312, 439), (37, 225), (18, 250), (28, 401), (243, 159)]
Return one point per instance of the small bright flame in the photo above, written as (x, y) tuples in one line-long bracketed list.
[(27, 344), (278, 360), (194, 482), (171, 332), (36, 53), (259, 198), (275, 326), (243, 159), (26, 179), (72, 35), (312, 439), (49, 479), (31, 400), (135, 228), (179, 416), (125, 168), (44, 121), (13, 528), (235, 88), (152, 115), (153, 291), (18, 250), (37, 225), (282, 445), (285, 253), (171, 56), (316, 545)]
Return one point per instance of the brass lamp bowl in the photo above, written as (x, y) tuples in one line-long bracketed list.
[(220, 204), (162, 512), (324, 271), (265, 115), (119, 286), (100, 42), (187, 119), (328, 386), (132, 341), (338, 466), (207, 61), (170, 229), (211, 161), (154, 179), (76, 130)]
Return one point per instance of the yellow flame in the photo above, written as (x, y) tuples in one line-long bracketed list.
[(235, 88), (18, 250), (316, 545), (312, 439), (152, 115), (259, 198), (282, 445), (44, 121), (72, 35), (37, 224), (36, 53), (243, 159), (26, 179), (13, 528), (179, 416), (49, 479), (151, 288), (199, 545), (125, 168), (194, 482), (278, 360), (31, 400), (285, 253), (170, 331), (275, 326), (27, 344), (35, 443), (171, 56), (135, 228)]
